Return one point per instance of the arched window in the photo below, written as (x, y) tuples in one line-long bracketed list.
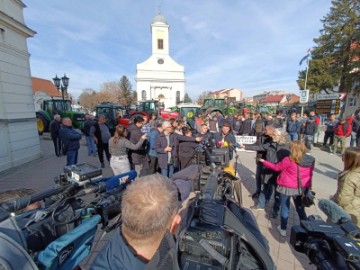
[(177, 97), (143, 95)]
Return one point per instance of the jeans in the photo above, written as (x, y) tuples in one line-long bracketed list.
[(309, 141), (293, 136), (259, 168), (91, 146), (353, 141), (71, 157), (169, 171), (153, 165), (265, 195), (285, 205)]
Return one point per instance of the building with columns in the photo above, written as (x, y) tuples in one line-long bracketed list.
[(19, 140), (160, 77)]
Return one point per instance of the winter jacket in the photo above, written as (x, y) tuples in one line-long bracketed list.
[(237, 125), (343, 130), (330, 126), (54, 129), (134, 135), (117, 255), (161, 143), (70, 138), (289, 174), (87, 126), (230, 139), (348, 193), (274, 153), (153, 134), (355, 125), (310, 128), (246, 127), (293, 126)]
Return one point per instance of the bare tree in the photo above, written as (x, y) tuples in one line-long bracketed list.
[(200, 99)]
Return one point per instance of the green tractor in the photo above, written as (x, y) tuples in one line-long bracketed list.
[(50, 107), (221, 105)]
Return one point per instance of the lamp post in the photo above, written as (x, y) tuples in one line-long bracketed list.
[(61, 84)]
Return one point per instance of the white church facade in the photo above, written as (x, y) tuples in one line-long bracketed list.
[(160, 77), (19, 140)]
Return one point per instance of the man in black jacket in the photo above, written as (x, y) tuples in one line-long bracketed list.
[(55, 126), (101, 134), (139, 160), (149, 212), (71, 141)]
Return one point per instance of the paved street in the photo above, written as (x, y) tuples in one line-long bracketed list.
[(39, 174)]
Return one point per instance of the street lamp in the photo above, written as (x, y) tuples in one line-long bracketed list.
[(61, 84)]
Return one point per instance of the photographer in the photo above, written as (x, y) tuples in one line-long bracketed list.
[(144, 240)]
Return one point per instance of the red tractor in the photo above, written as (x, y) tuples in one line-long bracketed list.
[(147, 107), (119, 115)]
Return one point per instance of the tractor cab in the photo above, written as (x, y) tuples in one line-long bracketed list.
[(115, 114)]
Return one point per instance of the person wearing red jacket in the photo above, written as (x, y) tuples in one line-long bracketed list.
[(342, 131), (297, 165)]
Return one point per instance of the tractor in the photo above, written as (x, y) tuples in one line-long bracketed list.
[(190, 111), (221, 105), (148, 107), (114, 114), (50, 107)]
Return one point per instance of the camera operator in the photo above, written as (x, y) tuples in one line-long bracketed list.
[(148, 219)]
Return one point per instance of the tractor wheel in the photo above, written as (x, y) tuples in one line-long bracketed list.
[(42, 124)]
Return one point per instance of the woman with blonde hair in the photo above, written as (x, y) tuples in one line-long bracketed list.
[(348, 191), (275, 148), (118, 148), (300, 166)]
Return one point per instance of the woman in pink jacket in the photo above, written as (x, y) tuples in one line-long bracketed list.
[(298, 163)]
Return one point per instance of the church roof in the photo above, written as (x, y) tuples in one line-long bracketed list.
[(159, 19)]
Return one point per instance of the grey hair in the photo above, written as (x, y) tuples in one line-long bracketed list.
[(165, 124), (148, 206)]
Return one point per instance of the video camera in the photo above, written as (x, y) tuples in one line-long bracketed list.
[(66, 217), (216, 233), (328, 245)]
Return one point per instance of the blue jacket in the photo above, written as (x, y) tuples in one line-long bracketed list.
[(293, 126), (153, 134), (70, 138)]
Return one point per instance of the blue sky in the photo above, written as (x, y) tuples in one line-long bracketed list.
[(252, 45)]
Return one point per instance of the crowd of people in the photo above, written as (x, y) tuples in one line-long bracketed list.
[(166, 146)]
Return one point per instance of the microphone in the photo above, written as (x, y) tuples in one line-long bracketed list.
[(101, 187), (119, 180), (333, 211)]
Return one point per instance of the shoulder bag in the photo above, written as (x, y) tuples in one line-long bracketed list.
[(307, 195)]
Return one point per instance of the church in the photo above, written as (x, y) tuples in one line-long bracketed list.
[(160, 77)]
